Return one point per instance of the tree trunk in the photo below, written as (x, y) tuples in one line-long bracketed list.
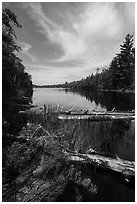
[(96, 117), (121, 170)]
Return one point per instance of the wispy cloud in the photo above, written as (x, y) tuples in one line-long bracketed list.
[(71, 44), (84, 35), (48, 74), (51, 74), (25, 47), (94, 32)]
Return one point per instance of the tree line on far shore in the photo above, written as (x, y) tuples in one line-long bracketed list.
[(120, 75)]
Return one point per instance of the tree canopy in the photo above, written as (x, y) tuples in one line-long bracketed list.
[(16, 82), (122, 67)]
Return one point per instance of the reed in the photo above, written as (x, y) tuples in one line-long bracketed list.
[(37, 170), (79, 135)]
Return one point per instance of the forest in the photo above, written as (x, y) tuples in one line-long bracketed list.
[(119, 76), (17, 86)]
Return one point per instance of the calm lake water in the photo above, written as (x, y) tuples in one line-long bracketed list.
[(121, 134), (111, 138), (63, 97), (83, 99)]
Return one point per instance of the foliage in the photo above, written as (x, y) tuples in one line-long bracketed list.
[(37, 170), (122, 67), (16, 83), (35, 167)]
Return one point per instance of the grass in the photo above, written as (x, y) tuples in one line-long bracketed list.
[(35, 167), (81, 135)]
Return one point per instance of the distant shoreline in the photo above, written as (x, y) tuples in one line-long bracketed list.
[(103, 90)]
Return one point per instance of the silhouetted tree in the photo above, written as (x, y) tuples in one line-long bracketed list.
[(16, 83), (122, 67)]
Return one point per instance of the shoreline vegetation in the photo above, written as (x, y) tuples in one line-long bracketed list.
[(17, 88), (103, 90), (37, 168), (34, 164)]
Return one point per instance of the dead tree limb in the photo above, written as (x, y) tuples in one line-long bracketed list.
[(95, 117), (119, 165), (121, 170)]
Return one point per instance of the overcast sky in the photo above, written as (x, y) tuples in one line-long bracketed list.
[(63, 41)]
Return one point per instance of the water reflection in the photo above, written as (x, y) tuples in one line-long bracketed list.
[(62, 97), (109, 100), (84, 99)]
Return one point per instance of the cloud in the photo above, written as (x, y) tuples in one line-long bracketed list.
[(52, 75), (71, 45), (91, 37), (25, 50), (47, 74)]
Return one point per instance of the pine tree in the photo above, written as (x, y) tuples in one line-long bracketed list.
[(122, 67), (114, 74), (127, 62)]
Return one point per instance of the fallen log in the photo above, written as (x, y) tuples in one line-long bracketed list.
[(123, 166), (95, 117), (121, 170), (116, 113)]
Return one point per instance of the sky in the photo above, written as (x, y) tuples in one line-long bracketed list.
[(67, 41)]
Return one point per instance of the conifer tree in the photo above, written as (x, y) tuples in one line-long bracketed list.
[(122, 67)]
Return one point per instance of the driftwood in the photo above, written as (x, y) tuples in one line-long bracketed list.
[(121, 170), (87, 112), (123, 166), (96, 117)]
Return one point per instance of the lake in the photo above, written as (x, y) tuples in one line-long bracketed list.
[(63, 97), (83, 99), (115, 139), (121, 134)]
